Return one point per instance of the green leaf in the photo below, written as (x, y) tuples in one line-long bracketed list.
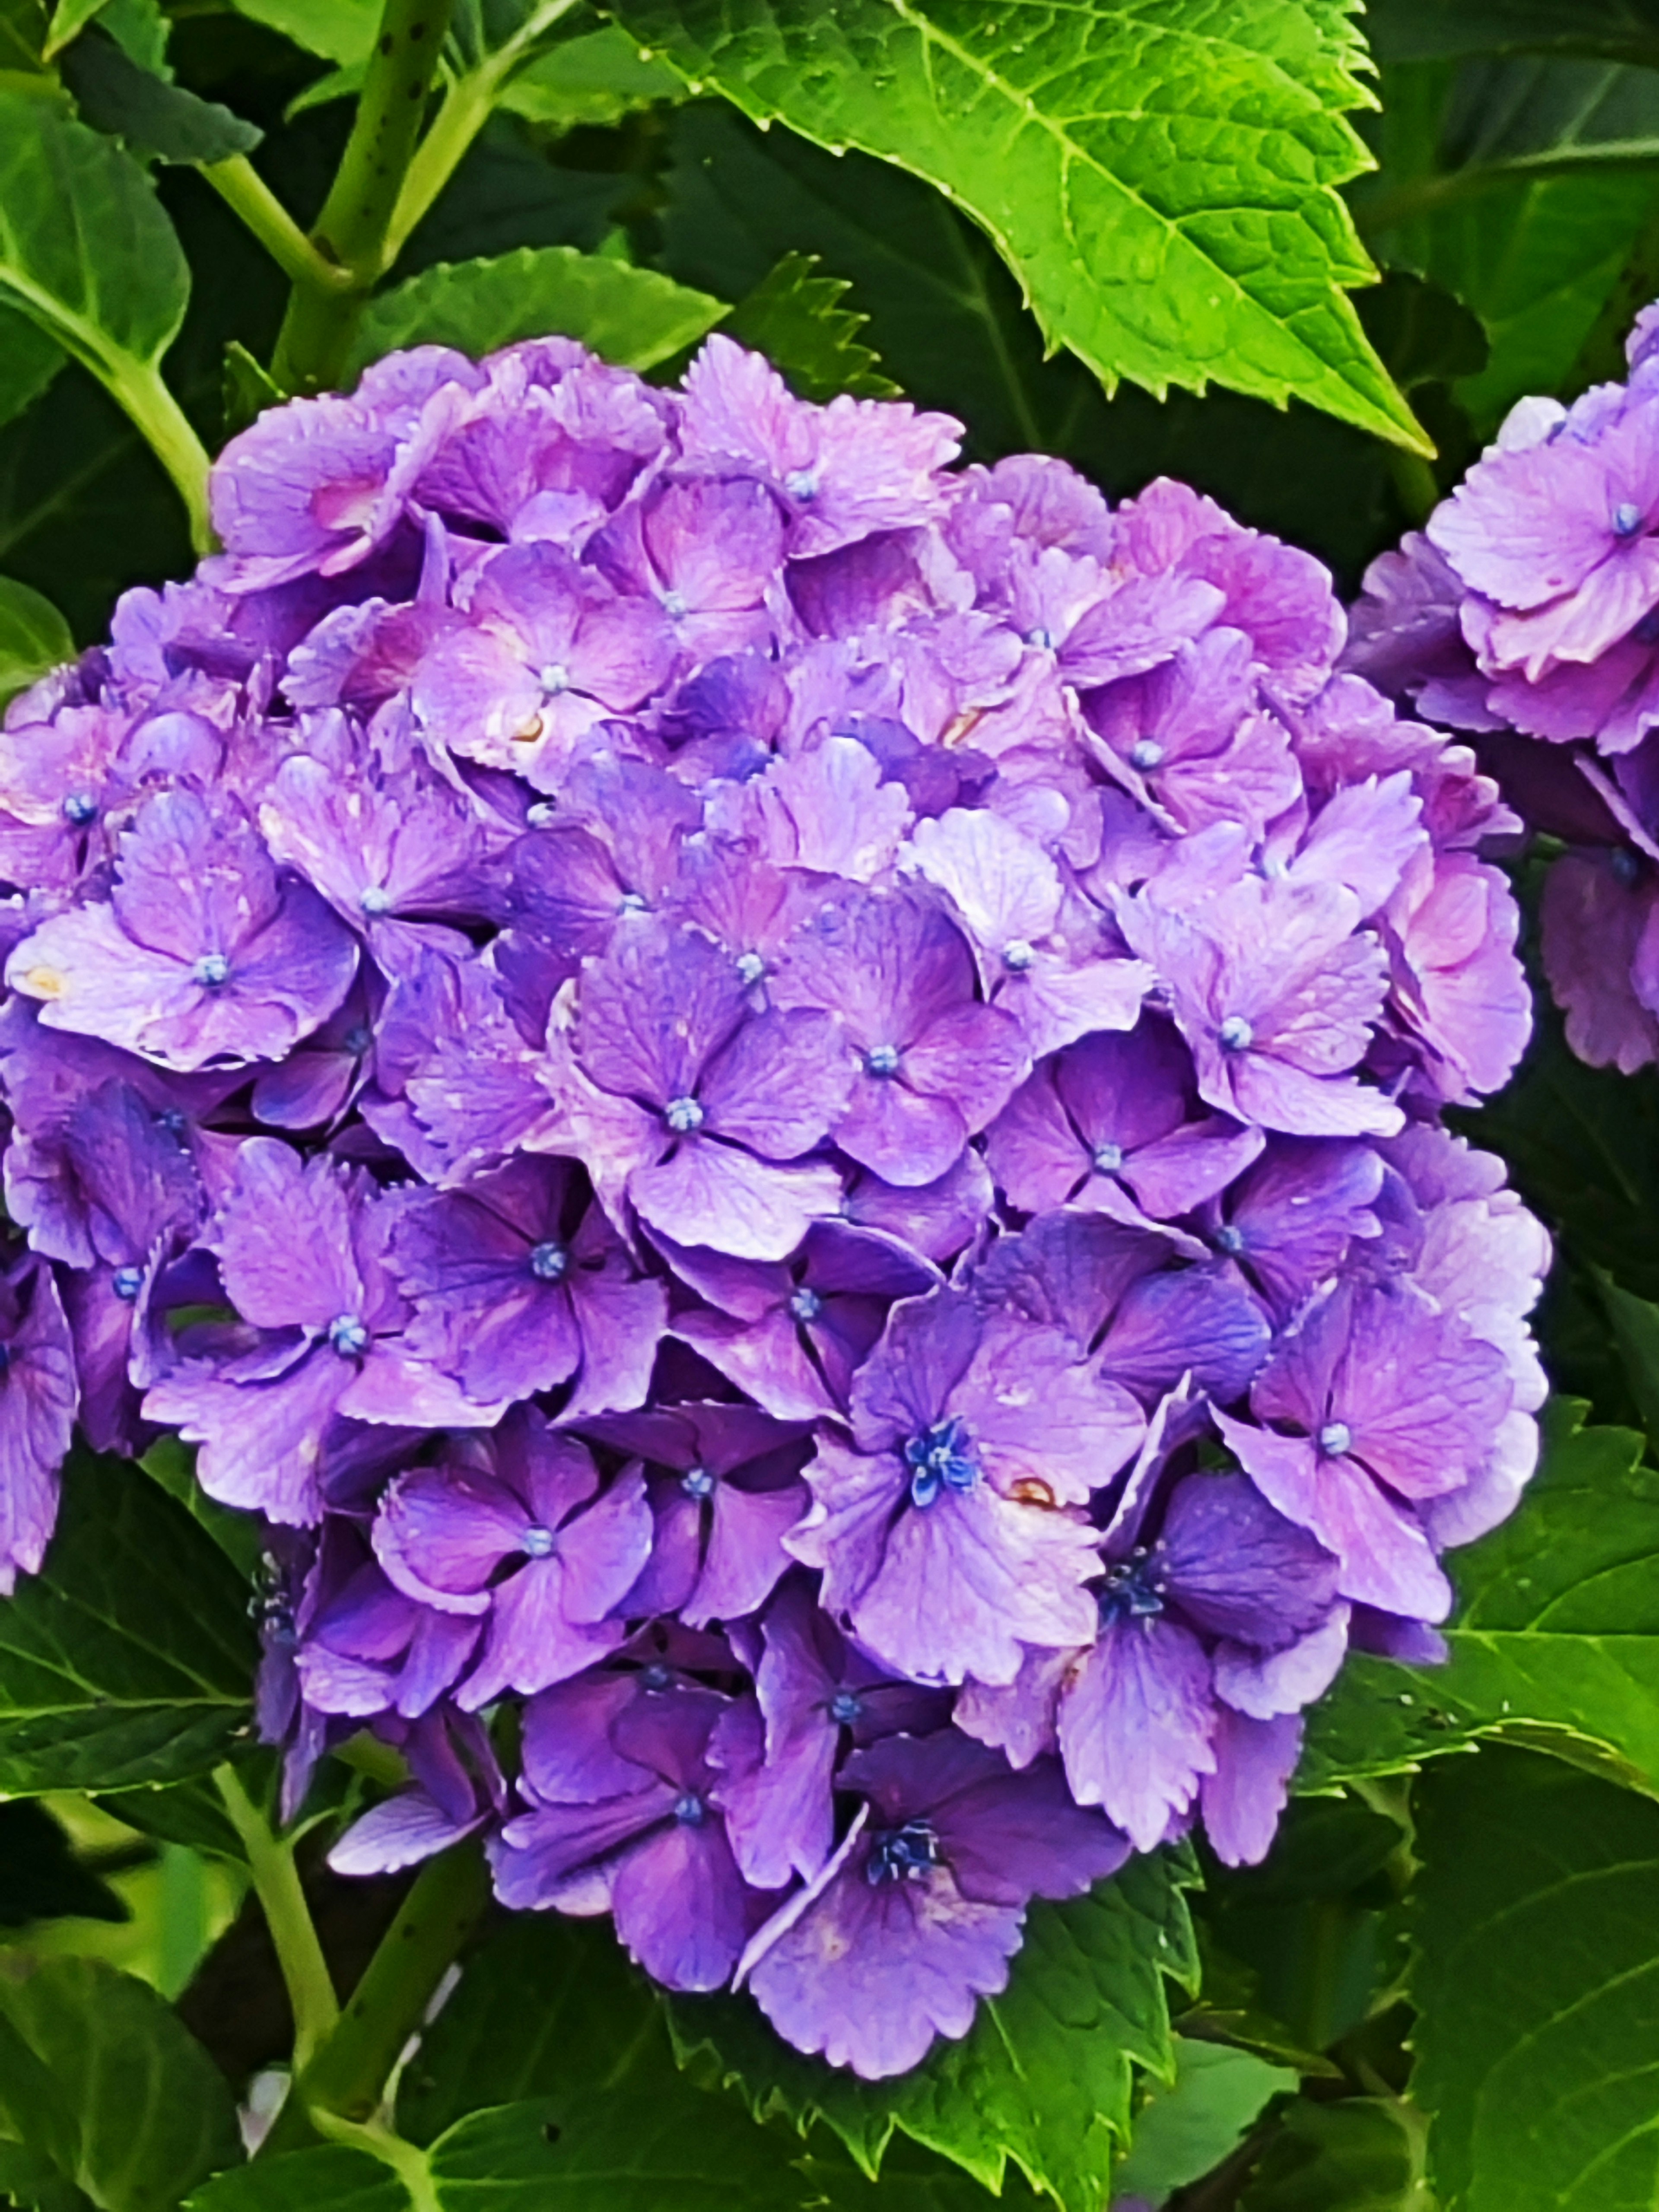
[(1181, 2132), (1045, 2076), (29, 361), (1428, 30), (595, 77), (116, 95), (630, 316), (86, 249), (1556, 1638), (188, 1813), (1162, 176), (130, 1657), (1424, 334), (23, 37), (68, 18), (795, 318), (41, 1877), (1537, 1982), (341, 31), (1364, 2154), (543, 2005), (248, 389), (33, 638), (1635, 1325), (335, 2178), (116, 2092)]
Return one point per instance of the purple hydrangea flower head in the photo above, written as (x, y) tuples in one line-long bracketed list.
[(780, 1108), (917, 1915)]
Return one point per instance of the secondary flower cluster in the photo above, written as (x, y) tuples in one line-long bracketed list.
[(1528, 612), (780, 1108)]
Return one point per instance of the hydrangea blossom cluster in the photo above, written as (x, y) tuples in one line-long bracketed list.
[(779, 1105), (1527, 612)]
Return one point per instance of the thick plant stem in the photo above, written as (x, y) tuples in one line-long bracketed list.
[(240, 185), (345, 2079), (276, 1884), (466, 109), (351, 231)]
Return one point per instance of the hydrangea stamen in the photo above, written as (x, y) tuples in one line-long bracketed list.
[(1235, 1034), (349, 1335), (806, 1304), (81, 809), (910, 1853), (126, 1283), (683, 1115), (939, 1459), (537, 1542), (882, 1061), (548, 1261), (698, 1482), (1334, 1438), (211, 970)]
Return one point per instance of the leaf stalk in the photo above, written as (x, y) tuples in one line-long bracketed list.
[(293, 1933)]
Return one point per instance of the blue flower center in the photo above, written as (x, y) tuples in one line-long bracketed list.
[(1334, 1438), (212, 970), (802, 484), (673, 603), (553, 679), (376, 900), (1109, 1158), (939, 1459), (541, 814), (5, 1358), (1017, 956), (1626, 868), (536, 1542), (80, 809), (683, 1115), (1133, 1589), (906, 1854), (1146, 753), (846, 1707), (126, 1283), (548, 1262), (654, 1677), (1235, 1034), (1626, 519), (349, 1335), (1229, 1240), (697, 1482), (1043, 639), (690, 1811), (882, 1059), (633, 902), (806, 1304), (751, 967), (173, 1119)]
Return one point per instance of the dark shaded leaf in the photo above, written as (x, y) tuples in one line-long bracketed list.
[(795, 318), (1181, 2132), (130, 1657), (41, 1877), (34, 637), (335, 2178), (29, 359), (1364, 2154), (1537, 1980), (595, 77), (114, 94), (113, 2090)]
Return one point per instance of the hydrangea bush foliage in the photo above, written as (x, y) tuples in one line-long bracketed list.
[(767, 1376)]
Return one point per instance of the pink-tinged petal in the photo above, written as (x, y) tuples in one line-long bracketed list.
[(1264, 1685), (973, 1055), (1136, 1724), (1593, 925), (1047, 1426), (765, 1358), (1001, 882), (441, 1531), (1524, 527), (1017, 1719), (531, 1641), (1056, 1005), (829, 811), (1176, 1173), (1242, 1801), (655, 1010), (870, 1973), (394, 1389), (38, 1395), (1032, 1149), (711, 1194), (1279, 1096), (621, 1323)]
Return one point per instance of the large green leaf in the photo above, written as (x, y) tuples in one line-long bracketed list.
[(341, 31), (595, 77), (1364, 2154), (86, 249), (1556, 1638), (29, 361), (1161, 174), (130, 1657), (1537, 1982), (34, 637), (1043, 2079), (335, 2178), (143, 110), (98, 2075), (1428, 30), (633, 317), (1181, 2132)]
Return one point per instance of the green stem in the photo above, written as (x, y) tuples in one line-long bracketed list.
[(351, 231), (241, 186), (466, 109), (346, 2078), (406, 2161), (276, 1883), (138, 387)]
